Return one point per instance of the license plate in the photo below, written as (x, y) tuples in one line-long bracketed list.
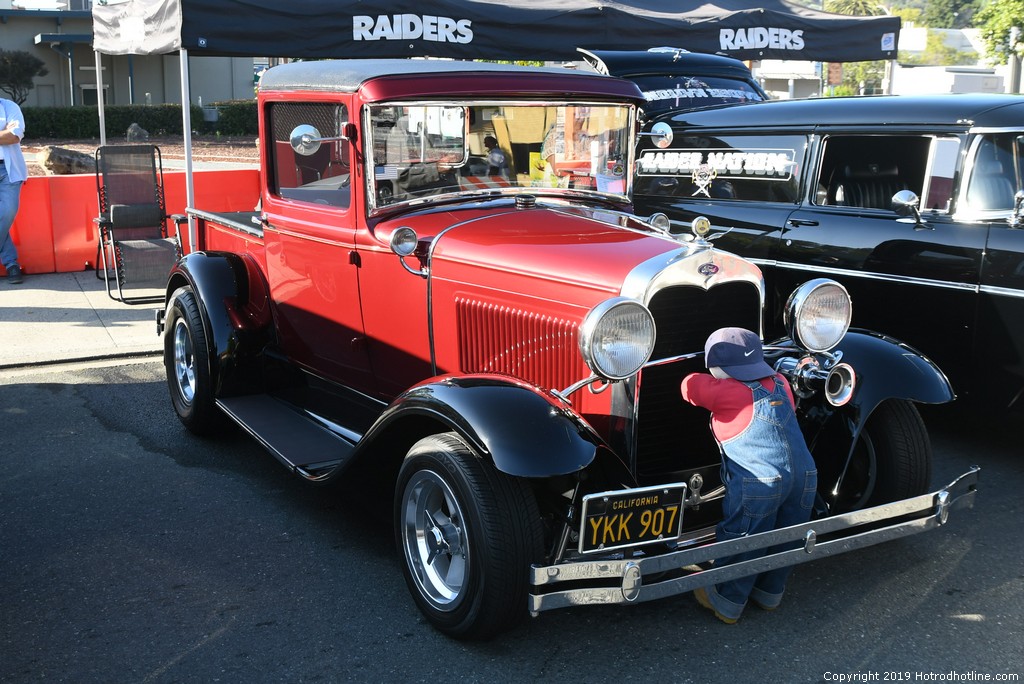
[(631, 517)]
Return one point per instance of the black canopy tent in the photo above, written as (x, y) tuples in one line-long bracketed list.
[(474, 29), (487, 29)]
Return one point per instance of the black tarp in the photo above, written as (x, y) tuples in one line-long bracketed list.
[(486, 29)]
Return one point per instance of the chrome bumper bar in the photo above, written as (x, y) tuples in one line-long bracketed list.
[(632, 580)]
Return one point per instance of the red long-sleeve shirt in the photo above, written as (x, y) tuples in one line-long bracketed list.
[(730, 401)]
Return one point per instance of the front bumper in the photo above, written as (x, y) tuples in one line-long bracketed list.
[(648, 578)]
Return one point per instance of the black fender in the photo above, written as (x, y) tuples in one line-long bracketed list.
[(885, 369), (523, 430), (889, 369), (225, 286)]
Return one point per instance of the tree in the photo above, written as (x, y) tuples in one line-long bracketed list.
[(995, 21), (856, 8), (949, 13), (858, 74), (18, 69), (937, 53)]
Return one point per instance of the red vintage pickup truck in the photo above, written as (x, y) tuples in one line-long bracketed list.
[(445, 296)]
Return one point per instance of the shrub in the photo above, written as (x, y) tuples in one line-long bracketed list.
[(236, 118)]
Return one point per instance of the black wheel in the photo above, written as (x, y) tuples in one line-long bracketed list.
[(187, 362), (467, 534), (891, 461)]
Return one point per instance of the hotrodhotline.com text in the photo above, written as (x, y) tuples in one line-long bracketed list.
[(908, 676)]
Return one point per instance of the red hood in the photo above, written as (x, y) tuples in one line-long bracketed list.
[(545, 248)]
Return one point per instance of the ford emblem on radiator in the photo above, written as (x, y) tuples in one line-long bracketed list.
[(708, 269)]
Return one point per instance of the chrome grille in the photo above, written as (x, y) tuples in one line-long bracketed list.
[(499, 339), (672, 435)]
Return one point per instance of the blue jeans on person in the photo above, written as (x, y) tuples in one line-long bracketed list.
[(770, 482), (10, 194)]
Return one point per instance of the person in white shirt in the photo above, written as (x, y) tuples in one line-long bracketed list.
[(13, 173)]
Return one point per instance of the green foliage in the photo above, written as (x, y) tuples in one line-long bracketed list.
[(856, 8), (949, 13), (18, 70), (841, 91), (84, 122), (995, 20), (937, 53), (237, 117)]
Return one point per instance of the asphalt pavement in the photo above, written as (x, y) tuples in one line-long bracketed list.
[(62, 317)]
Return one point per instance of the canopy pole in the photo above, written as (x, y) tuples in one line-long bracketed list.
[(99, 98), (186, 123)]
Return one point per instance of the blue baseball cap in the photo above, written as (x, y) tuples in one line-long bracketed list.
[(738, 352)]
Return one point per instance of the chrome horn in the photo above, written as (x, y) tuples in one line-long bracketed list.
[(807, 377), (840, 383)]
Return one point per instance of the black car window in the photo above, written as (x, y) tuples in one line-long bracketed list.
[(675, 93), (867, 170), (994, 173), (755, 168)]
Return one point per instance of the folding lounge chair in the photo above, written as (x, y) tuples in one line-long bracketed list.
[(135, 251)]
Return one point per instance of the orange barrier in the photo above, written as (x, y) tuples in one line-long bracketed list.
[(54, 230)]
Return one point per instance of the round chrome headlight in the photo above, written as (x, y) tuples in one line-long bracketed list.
[(818, 314), (617, 338)]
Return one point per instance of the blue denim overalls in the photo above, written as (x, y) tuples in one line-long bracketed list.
[(771, 481)]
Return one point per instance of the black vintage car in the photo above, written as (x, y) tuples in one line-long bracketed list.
[(673, 79), (912, 203)]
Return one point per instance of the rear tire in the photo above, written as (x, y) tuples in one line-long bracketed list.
[(187, 364), (467, 535)]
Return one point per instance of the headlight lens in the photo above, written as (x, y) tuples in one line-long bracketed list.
[(617, 338), (818, 314)]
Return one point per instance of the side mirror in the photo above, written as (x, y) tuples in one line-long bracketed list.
[(661, 134), (906, 203), (305, 139)]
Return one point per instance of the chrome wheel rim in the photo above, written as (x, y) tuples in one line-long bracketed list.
[(434, 539), (184, 361)]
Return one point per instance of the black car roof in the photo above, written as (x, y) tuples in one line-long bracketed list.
[(668, 61), (963, 110), (663, 60)]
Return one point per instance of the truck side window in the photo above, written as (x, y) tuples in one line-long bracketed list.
[(319, 178)]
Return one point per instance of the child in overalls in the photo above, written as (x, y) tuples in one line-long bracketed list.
[(769, 475)]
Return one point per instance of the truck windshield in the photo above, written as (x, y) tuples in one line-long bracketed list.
[(433, 150)]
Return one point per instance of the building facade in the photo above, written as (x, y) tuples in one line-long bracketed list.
[(62, 39)]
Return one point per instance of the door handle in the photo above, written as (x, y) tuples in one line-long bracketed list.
[(802, 222)]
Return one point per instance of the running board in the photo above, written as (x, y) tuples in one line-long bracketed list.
[(294, 438)]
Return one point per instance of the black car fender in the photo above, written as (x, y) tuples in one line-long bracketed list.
[(889, 369), (522, 430), (223, 288)]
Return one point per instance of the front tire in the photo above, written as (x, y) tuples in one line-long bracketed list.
[(891, 461), (187, 364), (467, 534)]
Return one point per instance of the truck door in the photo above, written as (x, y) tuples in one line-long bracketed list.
[(310, 243)]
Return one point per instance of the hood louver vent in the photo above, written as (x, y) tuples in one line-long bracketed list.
[(541, 350)]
